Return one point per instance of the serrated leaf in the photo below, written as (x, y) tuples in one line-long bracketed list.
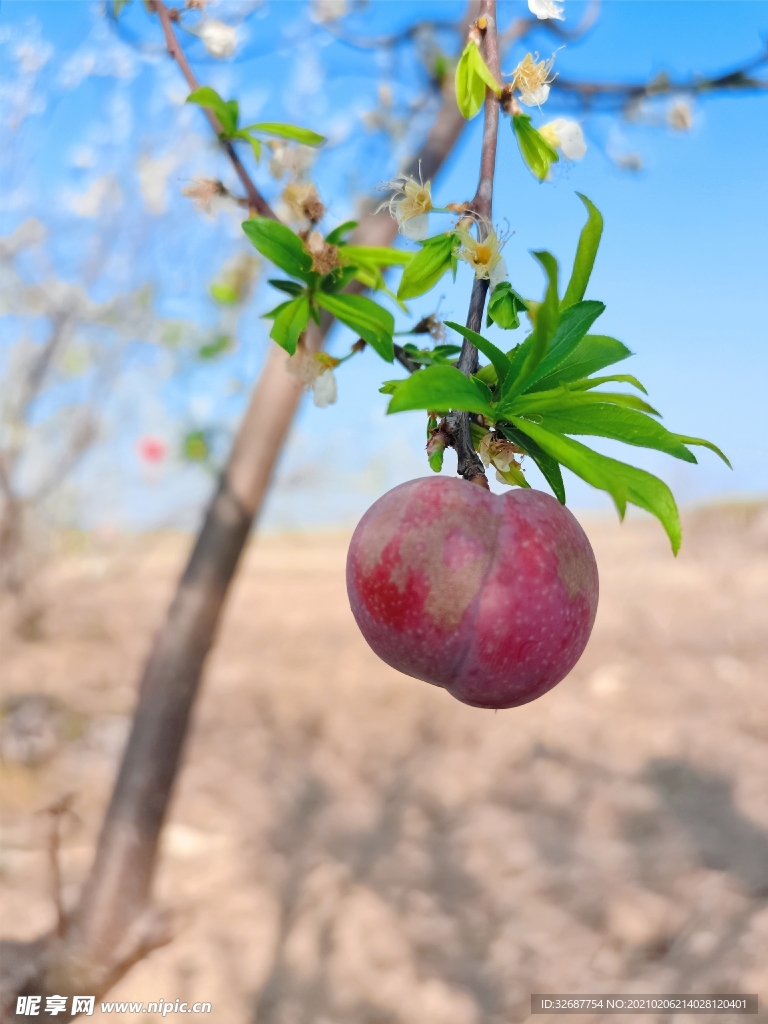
[(572, 326), (427, 266), (545, 315), (504, 306), (336, 236), (290, 322), (624, 483), (586, 251), (280, 245), (287, 131), (550, 468), (593, 352), (442, 388), (500, 362), (205, 96), (627, 425), (536, 152), (371, 321)]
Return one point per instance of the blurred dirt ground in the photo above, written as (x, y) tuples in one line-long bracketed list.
[(349, 846)]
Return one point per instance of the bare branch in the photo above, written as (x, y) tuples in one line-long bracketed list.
[(619, 94)]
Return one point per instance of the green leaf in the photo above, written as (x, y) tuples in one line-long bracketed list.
[(501, 363), (224, 293), (427, 266), (564, 398), (442, 388), (593, 352), (550, 468), (379, 255), (118, 5), (292, 287), (279, 245), (470, 86), (593, 382), (254, 143), (287, 131), (219, 345), (704, 444), (624, 483), (573, 324), (274, 312), (589, 240), (627, 425), (528, 355), (205, 96), (504, 306), (195, 446), (335, 237), (371, 321), (436, 460), (534, 148), (290, 322), (233, 108), (472, 77)]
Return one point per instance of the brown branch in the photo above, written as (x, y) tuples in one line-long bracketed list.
[(469, 463), (255, 198), (737, 79)]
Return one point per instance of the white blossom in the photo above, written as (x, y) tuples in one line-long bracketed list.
[(566, 136), (220, 40), (546, 9), (324, 392), (410, 206), (484, 257), (532, 78)]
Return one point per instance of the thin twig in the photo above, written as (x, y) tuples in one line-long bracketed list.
[(255, 199), (469, 464)]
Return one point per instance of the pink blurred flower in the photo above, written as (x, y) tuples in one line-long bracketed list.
[(151, 449)]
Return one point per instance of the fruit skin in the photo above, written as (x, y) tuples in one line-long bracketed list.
[(491, 596)]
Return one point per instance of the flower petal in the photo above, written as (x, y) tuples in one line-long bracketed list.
[(416, 227), (546, 9), (498, 274), (535, 97), (571, 140), (324, 390)]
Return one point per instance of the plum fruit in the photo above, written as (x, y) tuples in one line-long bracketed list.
[(492, 597)]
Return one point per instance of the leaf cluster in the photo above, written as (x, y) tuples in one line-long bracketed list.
[(312, 293), (228, 115), (544, 391)]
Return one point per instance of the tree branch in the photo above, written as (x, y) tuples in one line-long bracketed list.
[(255, 198), (610, 94), (469, 463)]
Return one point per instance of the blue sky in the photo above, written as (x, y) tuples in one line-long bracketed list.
[(682, 267)]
